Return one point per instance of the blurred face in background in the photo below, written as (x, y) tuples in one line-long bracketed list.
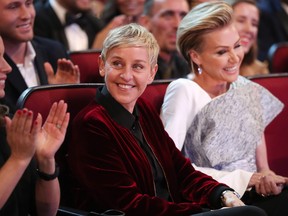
[(131, 7), (76, 6), (17, 20), (246, 17), (164, 21)]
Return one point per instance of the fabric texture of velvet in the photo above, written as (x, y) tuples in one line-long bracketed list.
[(113, 171)]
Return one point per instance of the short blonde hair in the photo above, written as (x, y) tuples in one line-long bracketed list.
[(202, 19), (131, 35)]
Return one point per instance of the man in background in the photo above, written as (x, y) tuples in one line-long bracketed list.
[(70, 22), (162, 18), (33, 59)]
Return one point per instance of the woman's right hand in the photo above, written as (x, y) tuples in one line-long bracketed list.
[(22, 133)]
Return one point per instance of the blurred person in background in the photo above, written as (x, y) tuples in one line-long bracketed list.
[(117, 13), (162, 18), (246, 18), (70, 22), (34, 60)]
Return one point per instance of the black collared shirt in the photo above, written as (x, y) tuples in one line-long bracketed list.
[(130, 121)]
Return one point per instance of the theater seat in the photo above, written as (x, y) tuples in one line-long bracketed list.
[(278, 58), (39, 99), (77, 96), (154, 93), (276, 133), (87, 60)]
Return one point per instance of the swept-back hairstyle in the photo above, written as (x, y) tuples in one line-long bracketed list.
[(202, 19), (131, 35)]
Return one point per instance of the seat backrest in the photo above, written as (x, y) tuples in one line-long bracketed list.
[(276, 133), (278, 57), (87, 60), (155, 92), (77, 96)]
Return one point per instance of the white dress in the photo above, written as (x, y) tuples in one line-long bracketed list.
[(208, 125)]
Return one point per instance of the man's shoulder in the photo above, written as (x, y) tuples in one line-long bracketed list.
[(46, 42)]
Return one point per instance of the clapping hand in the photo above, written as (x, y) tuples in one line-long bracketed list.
[(22, 134), (53, 132), (67, 72)]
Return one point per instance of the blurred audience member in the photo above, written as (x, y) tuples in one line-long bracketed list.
[(117, 13), (162, 18), (246, 19), (273, 26), (97, 7), (29, 56), (70, 22)]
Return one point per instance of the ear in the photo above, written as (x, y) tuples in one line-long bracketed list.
[(144, 21), (101, 64), (194, 56), (152, 73)]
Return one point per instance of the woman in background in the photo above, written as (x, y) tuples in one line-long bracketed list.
[(246, 18)]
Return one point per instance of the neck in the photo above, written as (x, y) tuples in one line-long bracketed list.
[(166, 56), (213, 88), (15, 50)]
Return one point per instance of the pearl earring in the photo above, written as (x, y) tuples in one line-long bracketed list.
[(199, 70)]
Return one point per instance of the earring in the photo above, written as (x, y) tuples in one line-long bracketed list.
[(199, 70)]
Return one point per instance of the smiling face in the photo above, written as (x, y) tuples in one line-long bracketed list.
[(4, 69), (246, 17), (127, 72), (221, 55), (17, 19)]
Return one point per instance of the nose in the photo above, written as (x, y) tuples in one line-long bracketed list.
[(234, 57), (126, 74), (4, 66), (248, 27), (176, 20), (25, 11)]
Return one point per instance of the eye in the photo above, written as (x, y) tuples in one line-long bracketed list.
[(117, 64), (237, 46), (29, 2), (168, 14), (138, 66), (12, 6), (221, 52)]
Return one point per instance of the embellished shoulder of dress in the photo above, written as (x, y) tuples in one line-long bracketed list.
[(240, 82)]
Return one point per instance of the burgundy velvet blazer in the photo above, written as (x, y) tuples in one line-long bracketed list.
[(114, 172)]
